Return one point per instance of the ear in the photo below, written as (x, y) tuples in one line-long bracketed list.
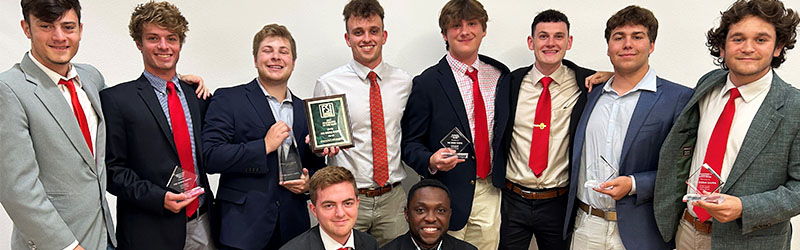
[(385, 36), (652, 47), (569, 44), (311, 208), (25, 28), (776, 52), (405, 213), (530, 43), (347, 39)]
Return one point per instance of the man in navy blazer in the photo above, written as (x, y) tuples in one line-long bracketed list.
[(617, 142), (442, 104), (244, 127)]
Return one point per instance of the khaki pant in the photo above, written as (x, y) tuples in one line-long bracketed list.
[(382, 216), (688, 238), (198, 234), (483, 226), (595, 233)]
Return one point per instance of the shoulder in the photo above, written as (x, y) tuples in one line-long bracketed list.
[(119, 88), (364, 240), (458, 244), (12, 74), (86, 71), (305, 240), (521, 72), (341, 70), (237, 90), (672, 86), (495, 63), (712, 76)]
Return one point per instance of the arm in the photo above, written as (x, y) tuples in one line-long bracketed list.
[(415, 125), (221, 152)]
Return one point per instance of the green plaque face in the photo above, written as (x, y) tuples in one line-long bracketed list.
[(328, 122)]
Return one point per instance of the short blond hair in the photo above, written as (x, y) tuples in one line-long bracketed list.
[(163, 14), (274, 30)]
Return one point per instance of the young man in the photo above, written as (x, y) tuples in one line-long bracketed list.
[(742, 121), (335, 204), (535, 177), (244, 127), (428, 214), (617, 141), (154, 125), (376, 98), (53, 137), (453, 103)]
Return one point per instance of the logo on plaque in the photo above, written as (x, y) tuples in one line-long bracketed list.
[(328, 122)]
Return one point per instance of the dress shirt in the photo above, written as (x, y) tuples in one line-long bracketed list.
[(488, 76), (437, 247), (605, 134), (564, 94), (711, 107), (351, 79), (330, 244), (281, 111)]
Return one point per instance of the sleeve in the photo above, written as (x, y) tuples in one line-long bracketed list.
[(223, 154), (415, 128), (321, 88)]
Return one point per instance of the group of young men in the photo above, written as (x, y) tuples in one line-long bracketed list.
[(548, 154)]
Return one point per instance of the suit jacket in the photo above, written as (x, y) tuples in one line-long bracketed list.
[(498, 177), (311, 240), (251, 201), (434, 108), (764, 176), (53, 188), (652, 119), (404, 242), (141, 156)]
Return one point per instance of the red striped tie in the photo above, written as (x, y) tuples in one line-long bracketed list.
[(78, 110), (380, 166), (180, 132), (483, 163)]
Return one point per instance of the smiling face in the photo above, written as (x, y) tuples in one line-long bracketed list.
[(428, 215), (464, 39), (336, 208), (160, 50), (549, 43), (629, 49), (274, 60), (54, 44), (366, 37), (749, 48)]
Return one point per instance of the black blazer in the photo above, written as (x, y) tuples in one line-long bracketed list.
[(250, 199), (140, 156), (434, 108), (311, 240), (404, 242)]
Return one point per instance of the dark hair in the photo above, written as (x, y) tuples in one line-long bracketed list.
[(363, 9), (425, 183), (49, 10), (784, 20), (633, 15), (163, 14), (549, 16), (328, 176)]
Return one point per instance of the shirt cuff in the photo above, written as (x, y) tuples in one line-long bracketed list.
[(72, 246), (633, 185), (434, 171)]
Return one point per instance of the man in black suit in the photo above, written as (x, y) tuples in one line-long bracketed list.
[(428, 214), (154, 126), (334, 202)]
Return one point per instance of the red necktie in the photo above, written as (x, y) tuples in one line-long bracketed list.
[(540, 139), (379, 163), (343, 248), (483, 162), (78, 110), (715, 152), (180, 132)]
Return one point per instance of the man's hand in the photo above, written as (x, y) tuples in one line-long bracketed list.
[(440, 162), (597, 78), (202, 91), (730, 209), (297, 186), (275, 136), (619, 187), (329, 151), (175, 202), (78, 247)]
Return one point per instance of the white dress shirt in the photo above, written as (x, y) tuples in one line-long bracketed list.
[(330, 244)]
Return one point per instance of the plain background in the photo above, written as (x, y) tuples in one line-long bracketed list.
[(219, 44)]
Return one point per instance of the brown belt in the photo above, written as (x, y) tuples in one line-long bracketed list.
[(534, 195), (371, 192), (704, 227), (611, 216)]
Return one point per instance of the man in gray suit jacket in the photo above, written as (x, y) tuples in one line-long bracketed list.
[(743, 122), (53, 137)]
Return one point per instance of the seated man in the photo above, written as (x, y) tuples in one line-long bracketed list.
[(428, 215), (335, 204)]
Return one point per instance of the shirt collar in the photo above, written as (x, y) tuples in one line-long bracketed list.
[(458, 67), (55, 77), (439, 246), (329, 243), (287, 98), (161, 84), (751, 90), (558, 76), (362, 71), (647, 83)]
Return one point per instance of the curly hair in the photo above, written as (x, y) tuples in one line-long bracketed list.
[(274, 30), (328, 176), (772, 11), (363, 9), (633, 15), (163, 14)]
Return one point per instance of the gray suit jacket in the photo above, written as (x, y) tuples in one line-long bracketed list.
[(51, 185), (765, 175)]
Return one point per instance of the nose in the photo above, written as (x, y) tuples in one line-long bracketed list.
[(162, 43), (748, 47), (339, 211), (430, 217), (59, 35), (627, 43)]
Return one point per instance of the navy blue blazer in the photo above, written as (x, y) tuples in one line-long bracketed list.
[(434, 108), (250, 199), (652, 119)]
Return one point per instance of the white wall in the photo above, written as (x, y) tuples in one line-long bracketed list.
[(219, 42)]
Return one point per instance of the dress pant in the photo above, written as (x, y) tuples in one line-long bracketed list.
[(523, 218), (595, 233), (688, 238), (483, 225), (382, 216)]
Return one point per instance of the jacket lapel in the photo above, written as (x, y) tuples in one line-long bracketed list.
[(645, 104), (450, 88), (148, 95), (260, 104), (580, 132)]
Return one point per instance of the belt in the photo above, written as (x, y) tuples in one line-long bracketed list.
[(200, 211), (536, 195), (371, 192), (611, 216), (704, 227)]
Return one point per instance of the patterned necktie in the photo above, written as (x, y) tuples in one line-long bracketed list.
[(481, 140), (380, 166), (78, 110), (540, 139), (715, 152), (180, 133)]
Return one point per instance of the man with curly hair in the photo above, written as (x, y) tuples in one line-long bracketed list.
[(742, 121)]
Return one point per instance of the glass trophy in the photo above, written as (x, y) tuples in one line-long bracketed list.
[(599, 170), (289, 161), (179, 180), (457, 141), (712, 196)]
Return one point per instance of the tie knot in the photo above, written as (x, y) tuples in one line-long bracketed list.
[(735, 93), (546, 81), (170, 87), (68, 83), (372, 76), (473, 74)]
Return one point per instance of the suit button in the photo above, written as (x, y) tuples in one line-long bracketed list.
[(472, 182), (278, 203), (472, 157)]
